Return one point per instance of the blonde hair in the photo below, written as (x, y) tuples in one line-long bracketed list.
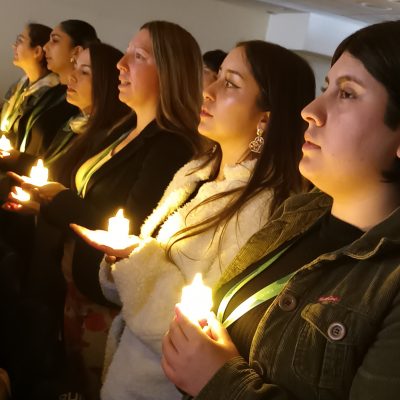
[(179, 66)]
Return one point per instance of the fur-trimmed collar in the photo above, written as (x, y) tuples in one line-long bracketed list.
[(185, 182)]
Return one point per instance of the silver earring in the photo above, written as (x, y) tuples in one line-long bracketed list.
[(257, 144)]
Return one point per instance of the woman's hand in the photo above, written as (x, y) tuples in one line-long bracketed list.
[(9, 155), (192, 355), (100, 240), (45, 194), (17, 204)]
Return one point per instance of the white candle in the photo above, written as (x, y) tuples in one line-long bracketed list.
[(39, 174), (21, 195), (196, 301), (5, 144), (118, 229)]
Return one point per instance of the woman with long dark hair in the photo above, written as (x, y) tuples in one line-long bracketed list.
[(310, 307), (160, 80), (251, 113)]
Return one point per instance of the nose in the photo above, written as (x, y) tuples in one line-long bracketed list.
[(209, 92), (314, 113), (72, 77), (122, 64), (45, 47)]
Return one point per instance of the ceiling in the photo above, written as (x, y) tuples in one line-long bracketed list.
[(369, 11)]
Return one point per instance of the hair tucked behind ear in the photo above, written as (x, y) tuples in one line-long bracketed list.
[(287, 85), (39, 35), (107, 110)]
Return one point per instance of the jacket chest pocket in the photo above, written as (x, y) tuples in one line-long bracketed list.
[(328, 344)]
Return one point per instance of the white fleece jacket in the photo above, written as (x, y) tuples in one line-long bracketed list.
[(148, 284)]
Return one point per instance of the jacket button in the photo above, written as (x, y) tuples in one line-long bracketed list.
[(257, 367), (287, 302), (336, 331)]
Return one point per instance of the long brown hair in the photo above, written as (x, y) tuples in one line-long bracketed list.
[(287, 85), (107, 110), (179, 66)]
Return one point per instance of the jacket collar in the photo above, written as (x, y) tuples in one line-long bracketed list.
[(298, 214)]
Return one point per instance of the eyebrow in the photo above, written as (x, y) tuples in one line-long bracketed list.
[(148, 51), (346, 78), (231, 71)]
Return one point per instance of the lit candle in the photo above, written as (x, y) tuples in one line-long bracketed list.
[(21, 195), (118, 229), (5, 145), (39, 174), (196, 301)]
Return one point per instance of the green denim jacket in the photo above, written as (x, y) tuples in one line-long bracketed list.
[(334, 330)]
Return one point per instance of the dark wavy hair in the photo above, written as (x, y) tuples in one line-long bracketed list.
[(378, 48), (39, 35), (213, 59), (107, 110), (287, 85), (80, 32)]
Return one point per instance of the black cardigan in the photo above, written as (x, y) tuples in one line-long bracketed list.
[(134, 179)]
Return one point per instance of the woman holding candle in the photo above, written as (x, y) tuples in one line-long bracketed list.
[(35, 107), (93, 88), (34, 114), (134, 166), (210, 209), (332, 330)]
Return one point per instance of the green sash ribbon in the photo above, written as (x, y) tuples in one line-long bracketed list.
[(257, 298)]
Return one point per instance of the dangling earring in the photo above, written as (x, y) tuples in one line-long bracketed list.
[(257, 144)]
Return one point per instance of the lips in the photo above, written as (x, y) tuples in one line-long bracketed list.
[(204, 113), (309, 143)]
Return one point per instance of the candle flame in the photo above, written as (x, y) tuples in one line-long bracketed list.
[(120, 213), (5, 144), (21, 195), (196, 301)]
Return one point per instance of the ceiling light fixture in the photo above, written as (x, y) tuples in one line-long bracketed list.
[(375, 6)]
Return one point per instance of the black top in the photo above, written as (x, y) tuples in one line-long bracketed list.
[(328, 235), (134, 179)]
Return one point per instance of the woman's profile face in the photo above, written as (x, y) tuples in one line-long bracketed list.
[(139, 83), (79, 92), (59, 51), (348, 145), (230, 113), (24, 54)]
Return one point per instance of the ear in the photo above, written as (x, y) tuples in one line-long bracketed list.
[(75, 52), (38, 53), (263, 122)]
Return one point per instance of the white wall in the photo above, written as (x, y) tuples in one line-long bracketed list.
[(215, 24), (320, 64)]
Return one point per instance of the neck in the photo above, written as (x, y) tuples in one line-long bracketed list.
[(367, 208), (64, 74), (143, 118), (35, 73), (230, 157)]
